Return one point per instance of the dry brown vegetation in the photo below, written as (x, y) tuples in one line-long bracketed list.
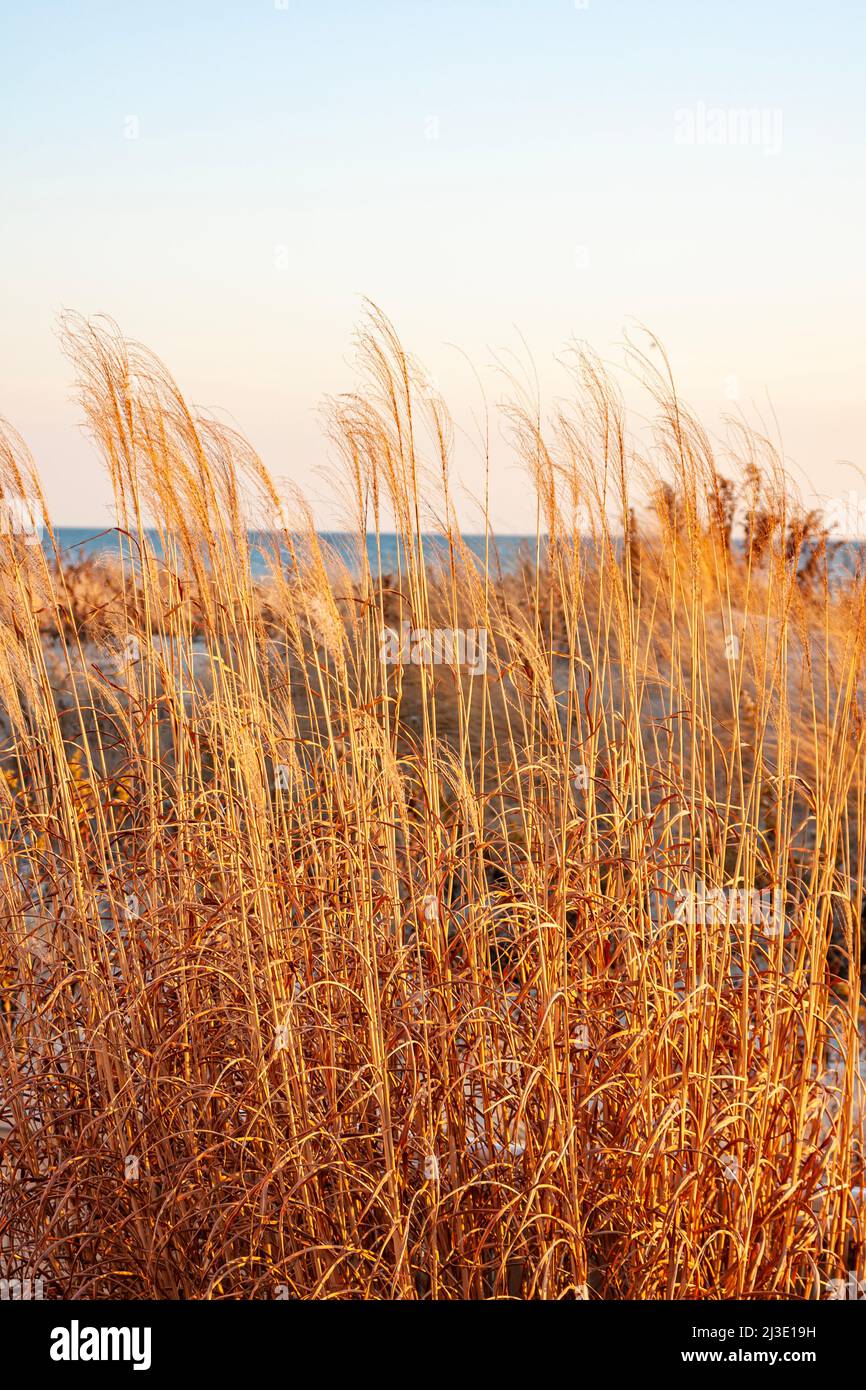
[(322, 977)]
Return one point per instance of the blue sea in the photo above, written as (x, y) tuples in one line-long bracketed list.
[(78, 542), (507, 552)]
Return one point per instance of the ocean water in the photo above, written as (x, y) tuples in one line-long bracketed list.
[(507, 552), (78, 542)]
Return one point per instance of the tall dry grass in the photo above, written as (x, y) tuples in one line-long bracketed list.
[(323, 977)]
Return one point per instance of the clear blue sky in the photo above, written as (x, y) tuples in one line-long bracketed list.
[(471, 166)]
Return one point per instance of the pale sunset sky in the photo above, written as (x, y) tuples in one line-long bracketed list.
[(227, 180)]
